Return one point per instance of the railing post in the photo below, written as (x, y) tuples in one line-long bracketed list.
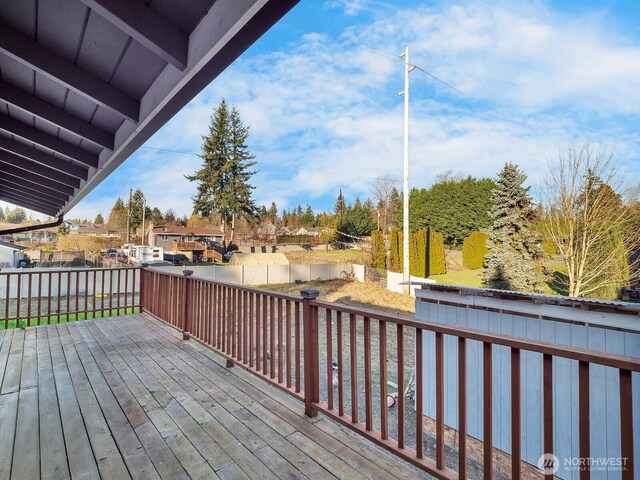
[(142, 295), (311, 352), (186, 320)]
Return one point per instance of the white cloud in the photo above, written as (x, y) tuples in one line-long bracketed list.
[(325, 109)]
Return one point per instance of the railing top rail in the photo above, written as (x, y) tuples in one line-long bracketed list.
[(37, 270), (260, 291), (564, 351)]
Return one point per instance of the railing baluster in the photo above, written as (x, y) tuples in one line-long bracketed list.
[(280, 340), (297, 349), (329, 335), (265, 333), (353, 353), (462, 408), (368, 403), (626, 424), (547, 385), (439, 401), (419, 394), (583, 416), (487, 405), (272, 338), (340, 363), (400, 367), (258, 327), (29, 291), (39, 298), (288, 334), (19, 285), (251, 327), (6, 305), (516, 433), (384, 416)]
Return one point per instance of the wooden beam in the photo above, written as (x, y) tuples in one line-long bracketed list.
[(31, 134), (30, 195), (28, 52), (31, 206), (30, 167), (56, 116), (147, 27), (42, 158), (36, 179), (37, 190)]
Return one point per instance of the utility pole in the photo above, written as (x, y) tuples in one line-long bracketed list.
[(405, 210), (144, 210), (129, 217)]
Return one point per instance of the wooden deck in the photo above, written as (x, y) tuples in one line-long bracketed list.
[(124, 397)]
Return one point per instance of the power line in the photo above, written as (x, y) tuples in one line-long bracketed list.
[(279, 165)]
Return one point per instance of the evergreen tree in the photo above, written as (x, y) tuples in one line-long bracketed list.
[(395, 250), (272, 213), (223, 179), (378, 254), (453, 207), (169, 217), (137, 206), (340, 209), (307, 218), (155, 216), (99, 219), (118, 215), (511, 263), (1, 215)]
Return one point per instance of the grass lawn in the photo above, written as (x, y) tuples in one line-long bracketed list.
[(467, 278), (351, 255), (73, 317)]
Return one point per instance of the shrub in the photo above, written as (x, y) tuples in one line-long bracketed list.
[(378, 257), (549, 246), (474, 249), (436, 264), (395, 253)]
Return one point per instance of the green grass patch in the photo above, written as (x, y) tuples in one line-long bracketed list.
[(66, 318), (466, 278)]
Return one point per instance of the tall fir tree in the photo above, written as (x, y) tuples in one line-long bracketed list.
[(512, 261), (223, 179), (99, 219), (118, 216)]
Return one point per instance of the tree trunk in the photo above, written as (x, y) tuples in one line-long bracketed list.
[(233, 228)]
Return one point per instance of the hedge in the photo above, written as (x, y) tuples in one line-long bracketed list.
[(474, 249)]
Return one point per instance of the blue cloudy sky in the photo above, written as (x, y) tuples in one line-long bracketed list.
[(319, 92)]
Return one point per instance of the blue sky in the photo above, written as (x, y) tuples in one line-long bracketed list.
[(319, 92)]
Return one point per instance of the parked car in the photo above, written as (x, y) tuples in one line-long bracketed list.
[(227, 256), (176, 258)]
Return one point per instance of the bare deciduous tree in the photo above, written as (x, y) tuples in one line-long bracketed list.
[(383, 192), (586, 219)]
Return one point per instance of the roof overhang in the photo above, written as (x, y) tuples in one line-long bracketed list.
[(84, 83)]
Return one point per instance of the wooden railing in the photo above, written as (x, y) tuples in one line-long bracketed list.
[(338, 359), (39, 297)]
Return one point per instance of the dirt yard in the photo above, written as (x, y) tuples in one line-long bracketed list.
[(349, 292)]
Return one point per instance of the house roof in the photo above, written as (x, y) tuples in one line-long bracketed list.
[(178, 230), (11, 246), (84, 83)]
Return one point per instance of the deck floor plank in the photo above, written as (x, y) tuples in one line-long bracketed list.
[(82, 463), (13, 369), (159, 453), (53, 455), (8, 416), (353, 449), (125, 437), (126, 397)]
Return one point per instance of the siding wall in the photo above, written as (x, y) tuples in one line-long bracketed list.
[(604, 398)]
